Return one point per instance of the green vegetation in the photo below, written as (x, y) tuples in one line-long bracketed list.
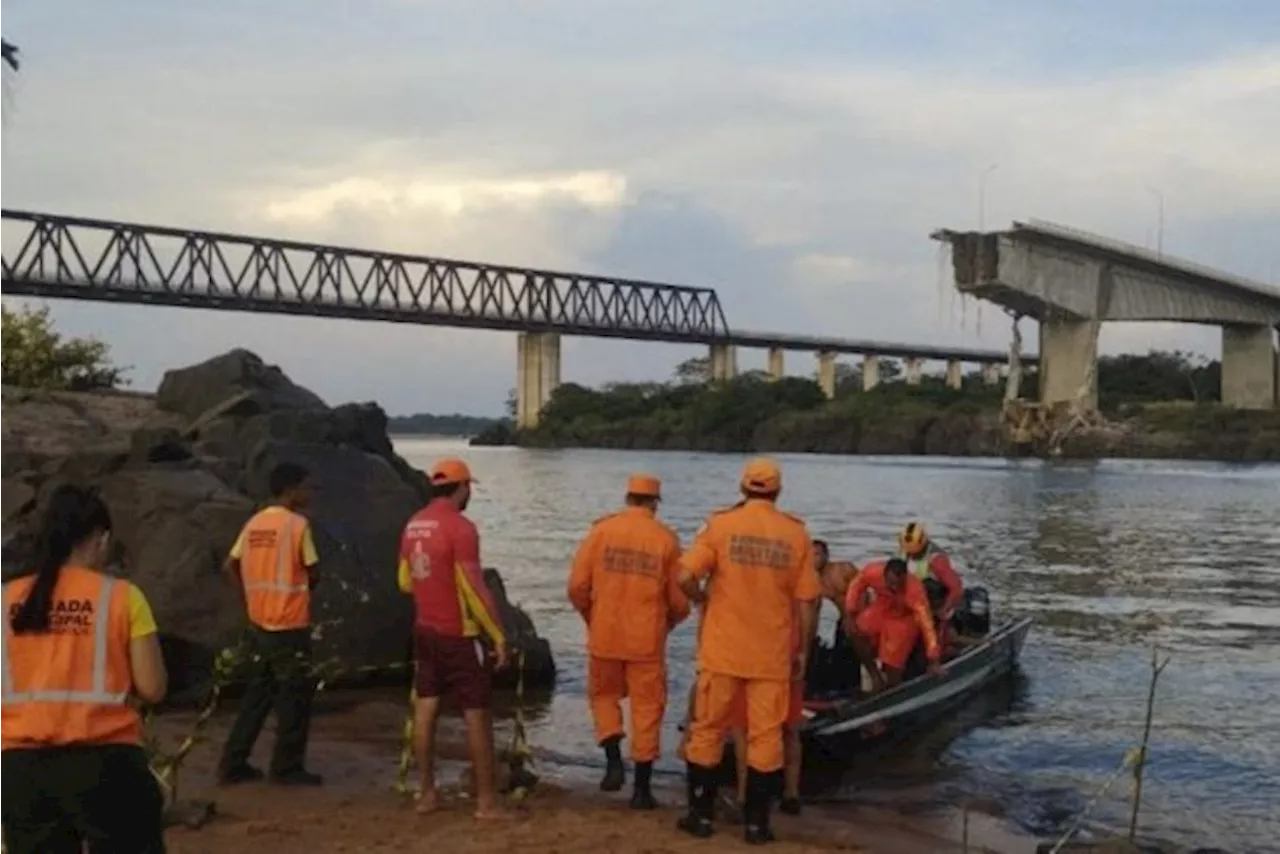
[(752, 413), (37, 357), (426, 424)]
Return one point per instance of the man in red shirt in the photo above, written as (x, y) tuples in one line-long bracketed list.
[(440, 567)]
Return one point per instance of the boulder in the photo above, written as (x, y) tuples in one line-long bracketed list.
[(182, 473)]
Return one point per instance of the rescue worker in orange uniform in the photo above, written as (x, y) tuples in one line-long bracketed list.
[(274, 562), (623, 583), (440, 567), (758, 562), (79, 648), (890, 625)]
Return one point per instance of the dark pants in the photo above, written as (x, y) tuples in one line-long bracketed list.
[(280, 677), (57, 798)]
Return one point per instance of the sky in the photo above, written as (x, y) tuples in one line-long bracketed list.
[(794, 156)]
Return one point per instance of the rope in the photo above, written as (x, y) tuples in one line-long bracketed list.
[(1131, 758), (519, 754)]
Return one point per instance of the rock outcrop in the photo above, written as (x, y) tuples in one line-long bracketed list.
[(184, 469)]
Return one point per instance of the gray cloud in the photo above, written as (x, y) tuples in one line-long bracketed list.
[(794, 158)]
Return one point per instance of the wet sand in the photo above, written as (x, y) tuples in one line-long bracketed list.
[(355, 745)]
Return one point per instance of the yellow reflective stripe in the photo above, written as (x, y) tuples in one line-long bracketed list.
[(98, 694)]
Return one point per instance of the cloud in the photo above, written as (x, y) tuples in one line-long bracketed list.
[(794, 158)]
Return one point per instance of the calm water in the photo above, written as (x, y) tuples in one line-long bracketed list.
[(1109, 558)]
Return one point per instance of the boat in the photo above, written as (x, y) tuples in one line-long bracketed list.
[(841, 725), (841, 720)]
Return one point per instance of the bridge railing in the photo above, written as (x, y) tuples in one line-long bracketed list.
[(71, 257)]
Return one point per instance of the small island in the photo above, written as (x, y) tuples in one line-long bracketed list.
[(1158, 405)]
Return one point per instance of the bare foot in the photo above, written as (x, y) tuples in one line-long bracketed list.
[(427, 802), (494, 814)]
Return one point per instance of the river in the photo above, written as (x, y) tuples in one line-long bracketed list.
[(1108, 557)]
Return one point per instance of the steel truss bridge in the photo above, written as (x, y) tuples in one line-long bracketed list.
[(65, 257)]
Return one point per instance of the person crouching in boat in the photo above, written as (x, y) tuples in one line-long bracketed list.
[(892, 623), (933, 567), (623, 583)]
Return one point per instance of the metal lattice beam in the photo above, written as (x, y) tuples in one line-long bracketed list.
[(75, 258)]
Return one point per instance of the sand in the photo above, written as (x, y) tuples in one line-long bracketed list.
[(357, 809)]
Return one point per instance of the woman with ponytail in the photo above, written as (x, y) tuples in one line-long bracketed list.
[(79, 650)]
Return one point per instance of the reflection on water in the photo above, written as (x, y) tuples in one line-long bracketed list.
[(1108, 557)]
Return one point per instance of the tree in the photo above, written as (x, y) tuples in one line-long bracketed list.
[(695, 371), (9, 51), (512, 404), (35, 356)]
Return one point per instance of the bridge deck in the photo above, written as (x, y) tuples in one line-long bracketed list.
[(77, 258), (1041, 269)]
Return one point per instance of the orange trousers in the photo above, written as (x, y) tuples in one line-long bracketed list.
[(714, 700), (609, 680)]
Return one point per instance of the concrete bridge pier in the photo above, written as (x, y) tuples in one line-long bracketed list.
[(915, 370), (776, 368), (870, 372), (1068, 356), (724, 362), (991, 373), (537, 374), (826, 373), (955, 374), (1248, 366)]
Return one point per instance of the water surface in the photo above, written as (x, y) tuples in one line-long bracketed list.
[(1109, 558)]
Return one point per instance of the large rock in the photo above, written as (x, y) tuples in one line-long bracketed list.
[(183, 472)]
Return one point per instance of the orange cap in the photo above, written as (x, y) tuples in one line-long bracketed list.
[(451, 471), (644, 485), (761, 475)]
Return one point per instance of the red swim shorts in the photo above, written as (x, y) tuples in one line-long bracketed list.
[(451, 667)]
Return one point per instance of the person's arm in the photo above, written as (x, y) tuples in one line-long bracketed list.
[(697, 564), (231, 567), (146, 664), (853, 601), (678, 605), (475, 593), (940, 565), (309, 556), (580, 573)]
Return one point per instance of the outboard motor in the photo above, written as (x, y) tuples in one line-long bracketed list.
[(973, 617)]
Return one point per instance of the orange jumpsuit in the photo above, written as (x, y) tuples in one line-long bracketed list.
[(760, 561), (623, 583), (891, 622)]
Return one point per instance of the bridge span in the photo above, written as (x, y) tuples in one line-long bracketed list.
[(77, 258), (1073, 281)]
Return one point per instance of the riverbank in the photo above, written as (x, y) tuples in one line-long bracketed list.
[(792, 416), (355, 744)]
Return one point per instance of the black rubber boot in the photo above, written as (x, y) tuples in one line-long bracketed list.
[(615, 773), (702, 802), (642, 795), (761, 789)]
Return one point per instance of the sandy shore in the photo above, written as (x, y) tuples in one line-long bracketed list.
[(355, 746)]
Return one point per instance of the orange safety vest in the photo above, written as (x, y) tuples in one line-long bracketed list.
[(276, 587), (69, 685)]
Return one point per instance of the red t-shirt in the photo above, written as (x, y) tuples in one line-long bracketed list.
[(441, 550)]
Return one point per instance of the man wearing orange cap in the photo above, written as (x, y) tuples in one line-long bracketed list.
[(440, 567), (762, 592), (623, 583)]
